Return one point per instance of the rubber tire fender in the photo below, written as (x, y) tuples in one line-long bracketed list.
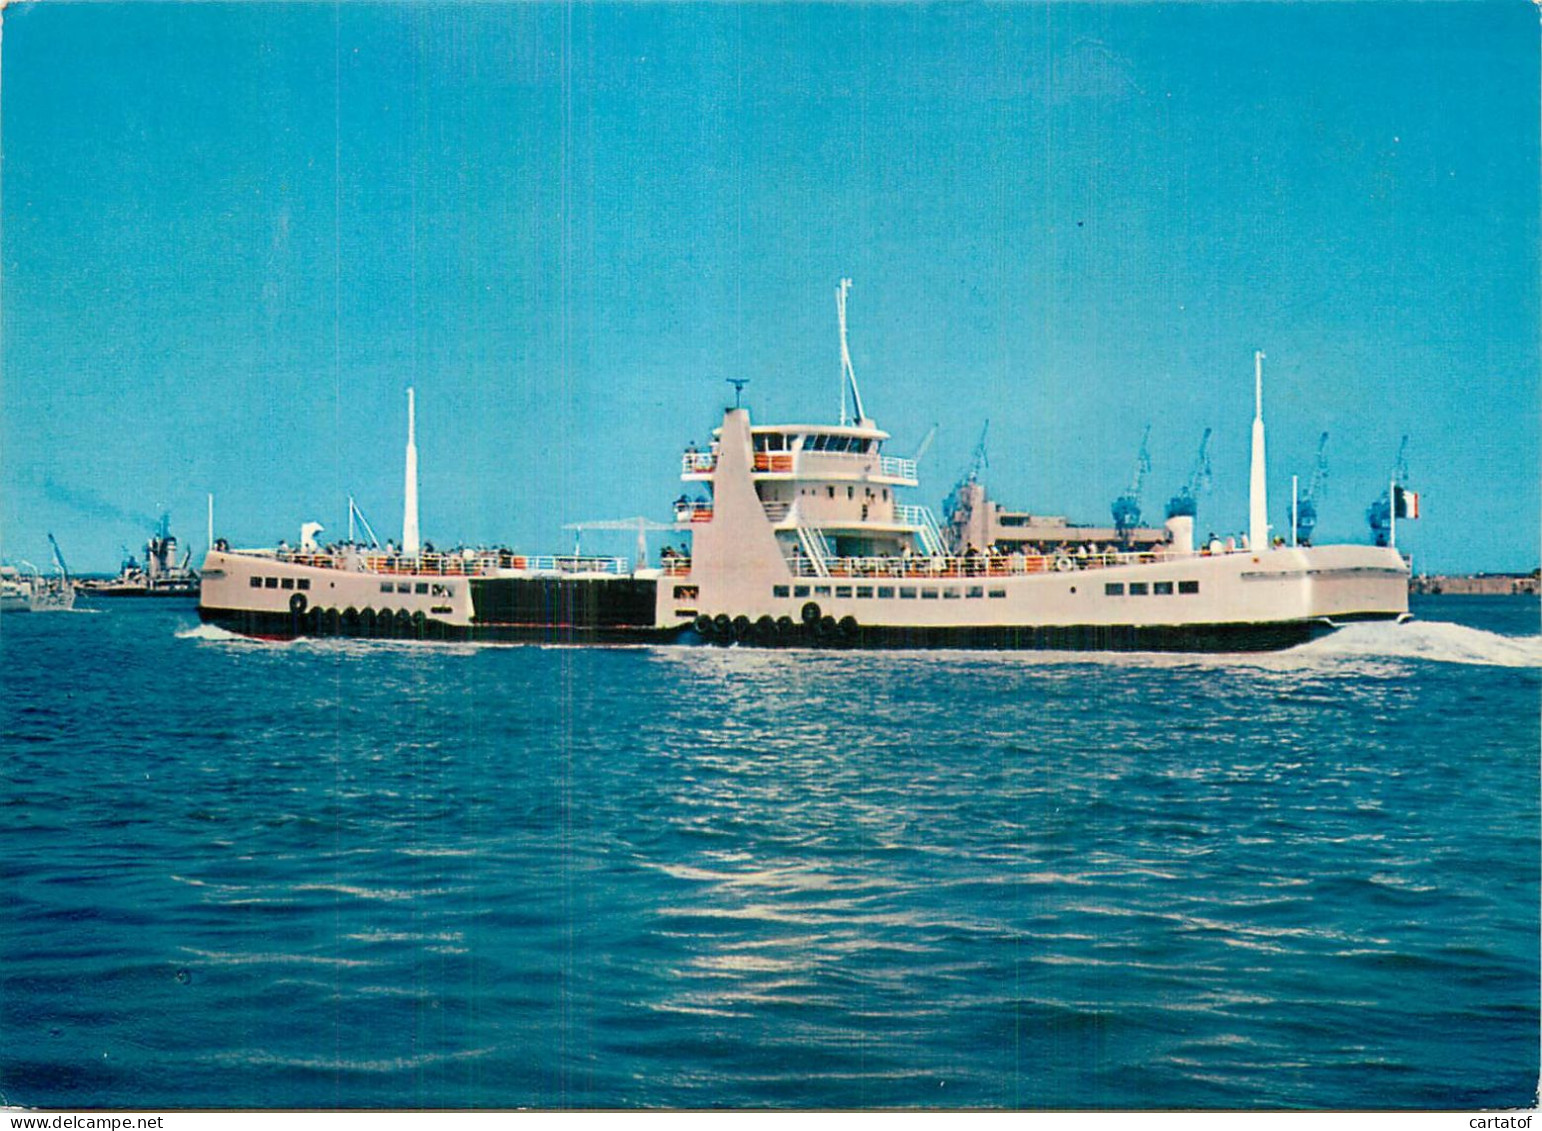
[(810, 613)]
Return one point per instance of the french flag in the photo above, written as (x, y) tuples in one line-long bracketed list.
[(1406, 503)]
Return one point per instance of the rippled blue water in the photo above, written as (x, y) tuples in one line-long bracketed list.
[(333, 874)]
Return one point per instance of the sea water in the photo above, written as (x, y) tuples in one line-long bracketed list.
[(336, 874)]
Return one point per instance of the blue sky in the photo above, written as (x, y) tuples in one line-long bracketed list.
[(232, 236)]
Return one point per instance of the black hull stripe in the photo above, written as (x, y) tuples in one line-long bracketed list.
[(1241, 637)]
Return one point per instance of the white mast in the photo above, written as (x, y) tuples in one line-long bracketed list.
[(848, 374), (410, 543), (1392, 513), (1295, 510), (1258, 500), (211, 520)]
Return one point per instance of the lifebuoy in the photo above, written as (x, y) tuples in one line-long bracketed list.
[(1064, 563), (297, 604)]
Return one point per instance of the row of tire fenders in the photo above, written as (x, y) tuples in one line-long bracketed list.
[(816, 625)]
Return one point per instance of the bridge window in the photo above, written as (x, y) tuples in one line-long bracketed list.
[(303, 583), (864, 591), (270, 583), (776, 591), (1137, 589), (886, 591), (256, 583), (928, 594), (1113, 589), (1162, 588), (1188, 587), (998, 592), (843, 591), (975, 591), (907, 592), (800, 590)]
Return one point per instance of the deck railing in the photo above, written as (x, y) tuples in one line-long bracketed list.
[(457, 563), (981, 565)]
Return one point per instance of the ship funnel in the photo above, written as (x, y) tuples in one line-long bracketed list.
[(410, 543), (1258, 496)]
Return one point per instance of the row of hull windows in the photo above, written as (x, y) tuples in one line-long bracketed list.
[(385, 586), (1143, 589), (281, 583), (925, 593), (417, 587), (907, 592)]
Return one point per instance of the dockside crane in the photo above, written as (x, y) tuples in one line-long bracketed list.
[(1186, 501), (978, 462), (1306, 508), (1126, 508), (64, 570), (1379, 513)]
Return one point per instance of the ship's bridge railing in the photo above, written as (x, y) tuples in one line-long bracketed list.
[(967, 565), (697, 511), (784, 463)]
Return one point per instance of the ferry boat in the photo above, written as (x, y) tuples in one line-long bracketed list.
[(799, 537)]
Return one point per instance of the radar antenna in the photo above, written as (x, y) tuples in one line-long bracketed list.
[(738, 383)]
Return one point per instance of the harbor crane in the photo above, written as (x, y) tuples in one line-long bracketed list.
[(64, 570), (1126, 508), (1316, 488), (1186, 501), (1379, 513), (978, 462)]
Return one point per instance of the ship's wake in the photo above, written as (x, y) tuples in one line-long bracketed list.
[(211, 632), (1437, 641)]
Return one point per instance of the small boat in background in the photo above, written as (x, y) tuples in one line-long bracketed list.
[(161, 575)]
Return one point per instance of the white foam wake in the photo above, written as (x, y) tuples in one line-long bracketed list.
[(209, 632), (1437, 641)]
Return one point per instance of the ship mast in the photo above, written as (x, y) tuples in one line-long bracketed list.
[(1258, 500), (410, 544), (848, 374)]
